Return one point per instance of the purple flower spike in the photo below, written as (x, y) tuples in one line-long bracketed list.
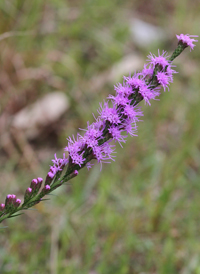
[(117, 117), (186, 40)]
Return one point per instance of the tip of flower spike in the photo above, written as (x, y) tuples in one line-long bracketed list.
[(187, 40)]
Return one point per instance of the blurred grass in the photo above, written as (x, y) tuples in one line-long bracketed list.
[(141, 213)]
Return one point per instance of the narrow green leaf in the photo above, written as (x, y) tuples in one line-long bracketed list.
[(15, 215)]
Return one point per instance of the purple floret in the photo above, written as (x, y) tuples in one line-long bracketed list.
[(130, 127), (60, 162), (131, 113), (135, 82), (74, 149), (147, 71), (161, 59), (119, 100), (148, 94), (116, 134), (124, 90), (163, 79), (103, 153), (107, 113)]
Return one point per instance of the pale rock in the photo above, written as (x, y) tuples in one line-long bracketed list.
[(40, 114), (145, 34)]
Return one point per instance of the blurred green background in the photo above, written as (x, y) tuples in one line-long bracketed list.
[(141, 213)]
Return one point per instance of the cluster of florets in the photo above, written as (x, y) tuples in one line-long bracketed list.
[(118, 115)]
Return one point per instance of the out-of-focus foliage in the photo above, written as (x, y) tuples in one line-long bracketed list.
[(140, 214)]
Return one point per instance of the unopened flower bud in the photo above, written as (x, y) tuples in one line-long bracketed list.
[(29, 190), (50, 175), (45, 189), (2, 207), (75, 172), (40, 181), (17, 203), (35, 185), (27, 194), (9, 199)]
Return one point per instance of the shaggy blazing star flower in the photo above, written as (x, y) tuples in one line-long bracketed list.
[(109, 114), (118, 117), (164, 79), (187, 40), (160, 60), (116, 134)]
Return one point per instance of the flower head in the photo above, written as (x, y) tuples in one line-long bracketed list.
[(123, 89), (109, 114), (187, 40), (147, 71), (116, 134), (163, 79), (160, 60), (74, 149)]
